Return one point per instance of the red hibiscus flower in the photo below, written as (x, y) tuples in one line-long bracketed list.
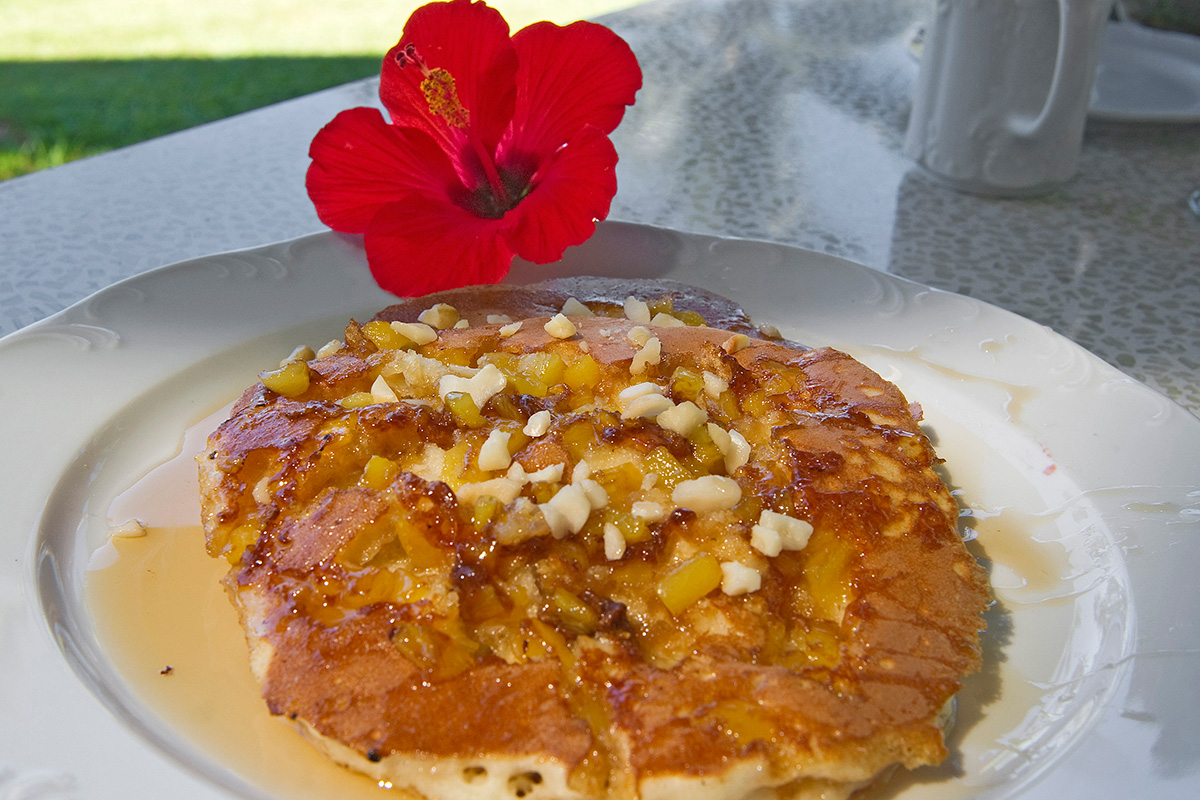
[(497, 146)]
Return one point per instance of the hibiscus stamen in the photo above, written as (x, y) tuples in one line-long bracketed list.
[(438, 88), (442, 98)]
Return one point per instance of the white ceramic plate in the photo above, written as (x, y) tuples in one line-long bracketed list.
[(1147, 75), (1081, 487)]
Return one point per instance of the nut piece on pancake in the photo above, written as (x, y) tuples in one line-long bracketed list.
[(559, 541)]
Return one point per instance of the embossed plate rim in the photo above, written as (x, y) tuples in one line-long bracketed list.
[(148, 327)]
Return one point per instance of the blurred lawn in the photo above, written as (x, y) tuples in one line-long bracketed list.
[(79, 77)]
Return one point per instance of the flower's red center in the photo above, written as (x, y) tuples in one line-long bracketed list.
[(442, 99)]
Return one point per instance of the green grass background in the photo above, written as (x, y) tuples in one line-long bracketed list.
[(79, 77)]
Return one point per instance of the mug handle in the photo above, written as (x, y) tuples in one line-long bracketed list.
[(1075, 33)]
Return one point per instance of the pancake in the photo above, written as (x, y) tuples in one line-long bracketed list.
[(549, 542)]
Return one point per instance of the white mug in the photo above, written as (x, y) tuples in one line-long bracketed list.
[(1003, 91)]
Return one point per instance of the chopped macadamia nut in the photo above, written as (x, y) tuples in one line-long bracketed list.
[(597, 495), (574, 308), (538, 424), (614, 542), (416, 332), (440, 316), (498, 319), (493, 454), (739, 341), (301, 353), (510, 329), (665, 320), (647, 406), (651, 353), (648, 511), (550, 474), (776, 532), (737, 459), (637, 311), (135, 529), (733, 446), (485, 383), (383, 392), (770, 331), (567, 512), (413, 375), (707, 493), (462, 324), (329, 348), (431, 465), (639, 335), (262, 491), (737, 578), (683, 418), (560, 327), (766, 540), (631, 393), (714, 385)]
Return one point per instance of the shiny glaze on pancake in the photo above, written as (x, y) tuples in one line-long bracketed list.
[(426, 647)]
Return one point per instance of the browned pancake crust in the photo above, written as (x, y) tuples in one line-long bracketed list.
[(603, 295), (837, 667)]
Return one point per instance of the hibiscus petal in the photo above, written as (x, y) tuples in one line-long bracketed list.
[(580, 74), (471, 42), (360, 163), (574, 188), (420, 245)]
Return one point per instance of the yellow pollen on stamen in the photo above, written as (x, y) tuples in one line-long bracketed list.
[(442, 97)]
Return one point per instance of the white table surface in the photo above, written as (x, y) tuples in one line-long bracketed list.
[(768, 119)]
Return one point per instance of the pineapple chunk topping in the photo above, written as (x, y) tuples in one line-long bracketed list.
[(646, 499), (290, 380)]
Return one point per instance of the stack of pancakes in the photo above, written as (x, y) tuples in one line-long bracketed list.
[(559, 541)]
